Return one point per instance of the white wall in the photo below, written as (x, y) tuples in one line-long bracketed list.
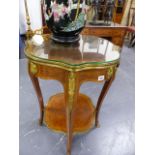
[(34, 12)]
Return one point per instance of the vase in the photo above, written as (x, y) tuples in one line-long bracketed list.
[(65, 18)]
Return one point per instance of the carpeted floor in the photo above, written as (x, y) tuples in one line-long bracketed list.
[(114, 137)]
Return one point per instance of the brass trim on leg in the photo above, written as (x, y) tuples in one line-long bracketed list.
[(71, 96), (71, 88), (33, 68), (109, 73)]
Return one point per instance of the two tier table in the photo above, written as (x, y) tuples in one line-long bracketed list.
[(90, 59)]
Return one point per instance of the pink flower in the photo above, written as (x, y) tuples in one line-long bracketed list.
[(63, 10), (56, 16)]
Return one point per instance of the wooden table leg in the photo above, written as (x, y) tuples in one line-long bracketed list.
[(71, 93), (36, 86), (101, 98)]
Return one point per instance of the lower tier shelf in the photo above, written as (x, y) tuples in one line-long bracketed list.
[(83, 114)]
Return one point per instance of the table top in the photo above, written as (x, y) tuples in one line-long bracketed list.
[(89, 50)]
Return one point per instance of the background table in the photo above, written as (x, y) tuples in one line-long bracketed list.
[(91, 59)]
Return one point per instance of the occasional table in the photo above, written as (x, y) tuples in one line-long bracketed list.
[(90, 59)]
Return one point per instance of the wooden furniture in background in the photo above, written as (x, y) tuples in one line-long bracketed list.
[(91, 59), (112, 33), (118, 11)]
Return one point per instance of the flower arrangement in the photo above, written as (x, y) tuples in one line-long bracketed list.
[(60, 10), (57, 10)]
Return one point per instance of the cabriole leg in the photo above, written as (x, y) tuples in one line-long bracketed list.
[(35, 82), (109, 79)]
